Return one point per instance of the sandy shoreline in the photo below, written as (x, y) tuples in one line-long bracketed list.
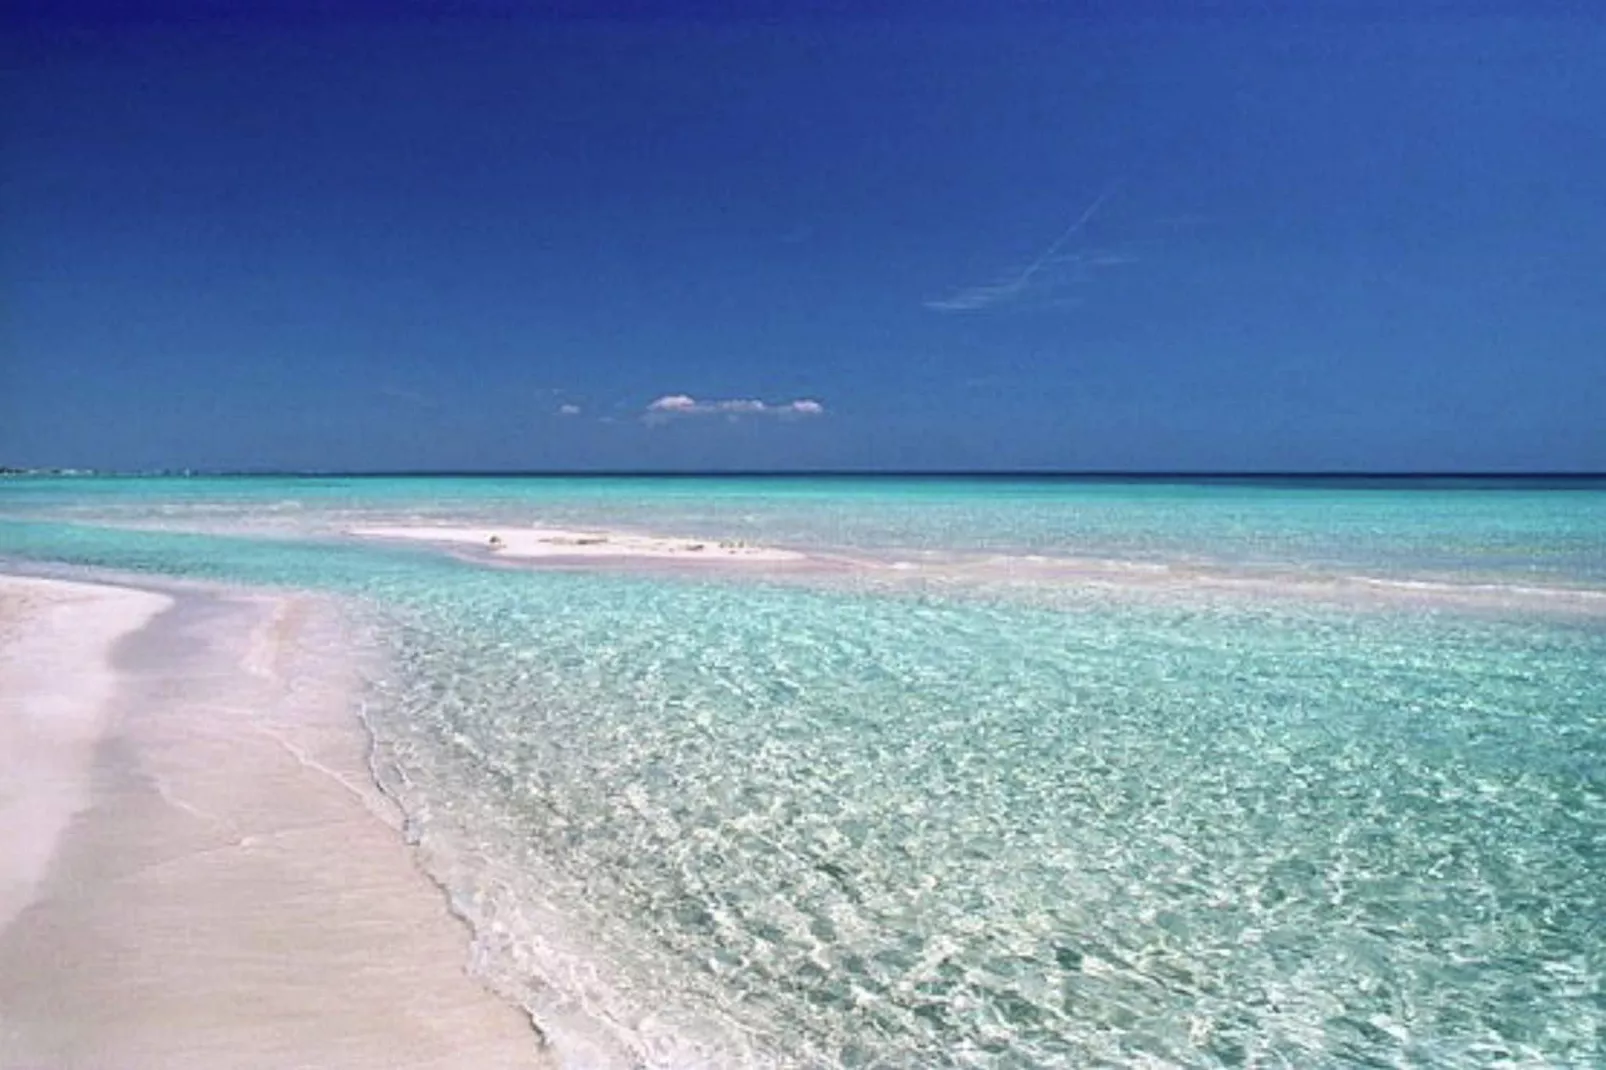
[(198, 868)]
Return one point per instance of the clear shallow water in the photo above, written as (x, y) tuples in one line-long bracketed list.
[(738, 823), (1535, 529)]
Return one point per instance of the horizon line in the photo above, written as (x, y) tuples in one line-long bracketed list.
[(799, 473)]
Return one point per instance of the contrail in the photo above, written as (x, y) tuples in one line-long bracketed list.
[(1048, 254), (978, 297)]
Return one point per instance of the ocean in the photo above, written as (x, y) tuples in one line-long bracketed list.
[(1027, 772)]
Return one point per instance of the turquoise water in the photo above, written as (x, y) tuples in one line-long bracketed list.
[(1536, 529), (735, 822)]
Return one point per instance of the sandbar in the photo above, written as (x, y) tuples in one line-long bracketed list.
[(534, 543)]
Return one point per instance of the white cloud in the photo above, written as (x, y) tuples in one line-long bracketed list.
[(672, 405), (568, 410)]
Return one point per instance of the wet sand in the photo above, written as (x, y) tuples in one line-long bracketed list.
[(207, 875)]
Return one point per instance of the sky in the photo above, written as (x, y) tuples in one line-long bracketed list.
[(1143, 236)]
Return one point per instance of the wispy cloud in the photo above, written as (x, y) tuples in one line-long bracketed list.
[(672, 406), (568, 410), (1045, 269)]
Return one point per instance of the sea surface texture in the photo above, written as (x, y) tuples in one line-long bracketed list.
[(1037, 773)]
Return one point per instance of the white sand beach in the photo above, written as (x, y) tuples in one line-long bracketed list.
[(528, 543), (198, 870), (58, 690)]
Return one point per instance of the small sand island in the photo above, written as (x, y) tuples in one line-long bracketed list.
[(536, 543)]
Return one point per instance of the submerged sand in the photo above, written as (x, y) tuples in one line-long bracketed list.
[(198, 870)]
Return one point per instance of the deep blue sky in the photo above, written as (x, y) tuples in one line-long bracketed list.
[(1343, 240)]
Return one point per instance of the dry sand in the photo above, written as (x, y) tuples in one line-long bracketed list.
[(57, 695), (196, 869)]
